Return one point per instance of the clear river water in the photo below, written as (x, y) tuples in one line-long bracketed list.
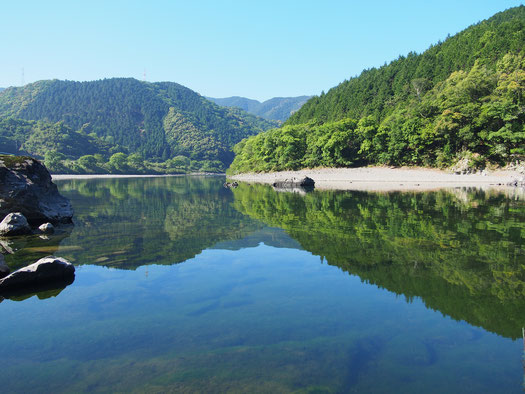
[(183, 285)]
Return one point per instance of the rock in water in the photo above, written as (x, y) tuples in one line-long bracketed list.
[(14, 224), (4, 269), (306, 182), (47, 228), (45, 270), (26, 187)]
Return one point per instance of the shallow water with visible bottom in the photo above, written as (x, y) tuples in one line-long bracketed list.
[(185, 286)]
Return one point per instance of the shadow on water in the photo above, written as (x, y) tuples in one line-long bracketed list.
[(41, 291)]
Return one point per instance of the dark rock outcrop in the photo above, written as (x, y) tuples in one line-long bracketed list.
[(305, 183), (26, 187), (14, 224), (47, 269)]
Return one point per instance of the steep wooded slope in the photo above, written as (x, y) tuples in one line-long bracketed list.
[(462, 98)]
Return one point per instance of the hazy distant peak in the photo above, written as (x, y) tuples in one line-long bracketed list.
[(277, 108)]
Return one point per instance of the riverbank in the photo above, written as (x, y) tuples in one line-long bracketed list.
[(387, 178)]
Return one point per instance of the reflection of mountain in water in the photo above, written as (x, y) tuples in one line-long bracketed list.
[(127, 223), (462, 253), (270, 236)]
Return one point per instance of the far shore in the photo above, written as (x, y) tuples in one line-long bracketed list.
[(387, 178), (59, 177)]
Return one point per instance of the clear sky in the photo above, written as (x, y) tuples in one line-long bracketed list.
[(255, 49)]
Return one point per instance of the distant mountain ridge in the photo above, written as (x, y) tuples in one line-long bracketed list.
[(158, 121), (277, 108)]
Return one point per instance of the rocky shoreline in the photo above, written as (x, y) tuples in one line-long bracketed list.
[(30, 205)]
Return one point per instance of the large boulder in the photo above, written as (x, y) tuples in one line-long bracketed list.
[(26, 187), (14, 224), (47, 269)]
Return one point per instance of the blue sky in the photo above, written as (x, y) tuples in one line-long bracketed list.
[(256, 49)]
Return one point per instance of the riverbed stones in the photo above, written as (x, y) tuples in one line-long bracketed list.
[(26, 187), (47, 228), (47, 269), (14, 224)]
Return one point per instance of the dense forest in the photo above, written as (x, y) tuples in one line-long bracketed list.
[(152, 122), (277, 108), (461, 99)]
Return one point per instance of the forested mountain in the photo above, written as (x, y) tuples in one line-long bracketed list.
[(461, 98), (156, 121), (277, 108)]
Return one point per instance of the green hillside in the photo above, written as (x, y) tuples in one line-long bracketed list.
[(460, 98), (156, 121), (277, 108)]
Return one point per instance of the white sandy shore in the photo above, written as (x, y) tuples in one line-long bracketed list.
[(385, 178)]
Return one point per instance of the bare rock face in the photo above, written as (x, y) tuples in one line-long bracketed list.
[(14, 224), (26, 187), (47, 269)]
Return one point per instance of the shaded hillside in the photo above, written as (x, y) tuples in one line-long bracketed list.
[(156, 120), (277, 108), (463, 98)]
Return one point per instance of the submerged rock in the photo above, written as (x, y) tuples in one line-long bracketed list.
[(47, 269), (14, 224), (26, 187)]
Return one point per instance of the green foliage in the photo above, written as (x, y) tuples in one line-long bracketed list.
[(415, 111), (155, 120), (377, 91)]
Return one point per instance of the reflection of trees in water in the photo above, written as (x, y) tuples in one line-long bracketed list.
[(461, 252), (129, 222)]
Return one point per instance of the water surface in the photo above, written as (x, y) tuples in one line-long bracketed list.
[(183, 285)]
